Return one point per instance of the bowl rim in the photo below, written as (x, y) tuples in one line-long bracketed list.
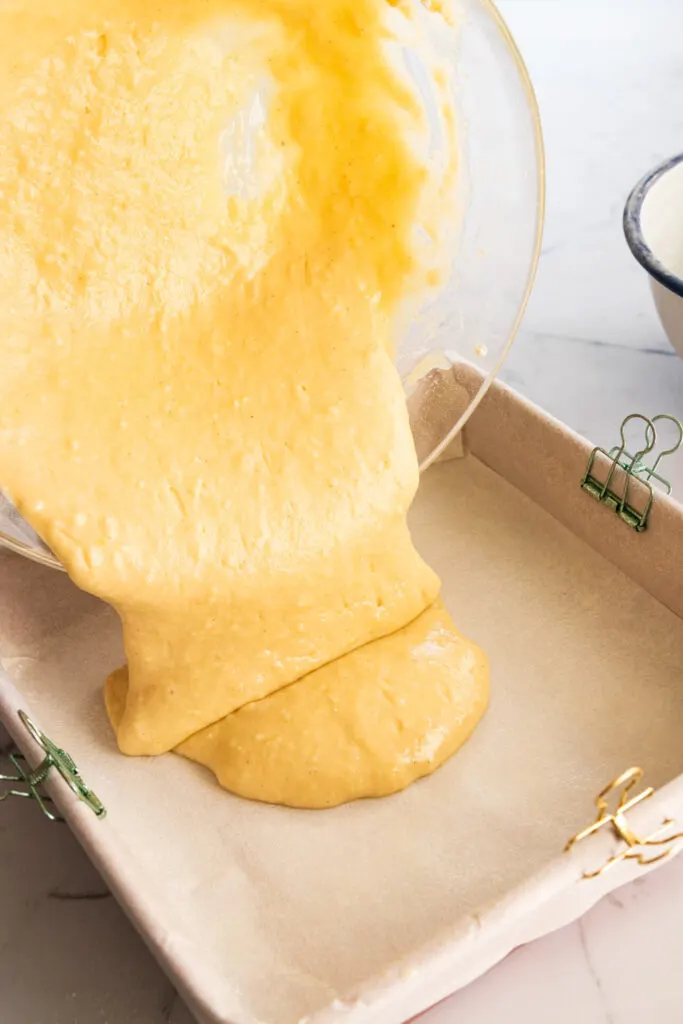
[(634, 232), (502, 27)]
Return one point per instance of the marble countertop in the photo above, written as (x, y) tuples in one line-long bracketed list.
[(608, 76)]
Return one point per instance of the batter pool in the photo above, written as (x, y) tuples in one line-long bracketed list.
[(212, 223)]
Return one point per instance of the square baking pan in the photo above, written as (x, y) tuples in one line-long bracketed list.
[(377, 910)]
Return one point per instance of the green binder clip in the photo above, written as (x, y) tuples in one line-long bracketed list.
[(623, 467), (30, 780)]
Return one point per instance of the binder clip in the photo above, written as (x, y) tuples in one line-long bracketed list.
[(647, 850), (623, 467), (31, 779)]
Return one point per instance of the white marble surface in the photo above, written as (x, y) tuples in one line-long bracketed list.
[(609, 75)]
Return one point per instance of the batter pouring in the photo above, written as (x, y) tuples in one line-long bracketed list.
[(207, 230)]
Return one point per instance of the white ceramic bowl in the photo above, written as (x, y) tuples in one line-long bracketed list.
[(653, 225)]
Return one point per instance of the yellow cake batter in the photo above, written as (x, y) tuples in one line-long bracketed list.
[(368, 724), (207, 231)]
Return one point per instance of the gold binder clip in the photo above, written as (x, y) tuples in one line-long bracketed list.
[(623, 467), (636, 848)]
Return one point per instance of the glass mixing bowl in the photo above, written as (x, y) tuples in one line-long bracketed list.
[(453, 347), (466, 332)]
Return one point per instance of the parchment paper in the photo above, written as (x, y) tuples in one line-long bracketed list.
[(283, 914)]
